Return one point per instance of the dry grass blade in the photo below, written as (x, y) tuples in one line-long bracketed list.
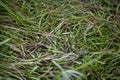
[(24, 31), (86, 30), (20, 51), (32, 47), (58, 27)]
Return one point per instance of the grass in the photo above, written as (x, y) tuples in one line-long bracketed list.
[(59, 40)]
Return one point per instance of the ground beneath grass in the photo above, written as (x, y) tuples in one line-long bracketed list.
[(59, 40)]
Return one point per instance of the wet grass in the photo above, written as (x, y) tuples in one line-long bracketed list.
[(59, 40)]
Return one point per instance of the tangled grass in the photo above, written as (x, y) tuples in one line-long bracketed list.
[(59, 40)]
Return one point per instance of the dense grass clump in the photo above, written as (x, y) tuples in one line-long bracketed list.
[(59, 40)]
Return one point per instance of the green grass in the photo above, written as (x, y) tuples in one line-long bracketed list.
[(59, 40)]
